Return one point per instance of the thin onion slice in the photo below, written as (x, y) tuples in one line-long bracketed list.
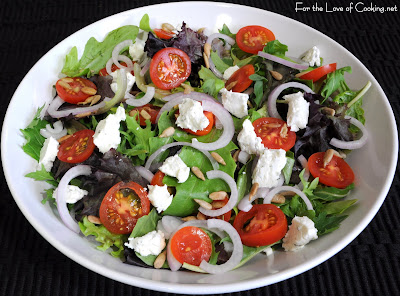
[(243, 157), (273, 96), (57, 131), (57, 102), (356, 144), (62, 191), (284, 62), (152, 157), (270, 195), (232, 199), (171, 223), (145, 173), (132, 101), (304, 163), (237, 252), (214, 69), (245, 204), (116, 55), (228, 39), (119, 95)]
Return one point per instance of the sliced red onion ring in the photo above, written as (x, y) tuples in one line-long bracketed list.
[(215, 70), (228, 39), (243, 157), (145, 173), (304, 163), (57, 102), (116, 55), (171, 223), (57, 131), (132, 101), (62, 191), (119, 95), (356, 144), (145, 68), (270, 195), (109, 66), (272, 111), (283, 61), (214, 174), (237, 252), (150, 160)]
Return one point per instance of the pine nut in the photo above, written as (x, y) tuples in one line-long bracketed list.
[(76, 89), (218, 158), (88, 90), (298, 75), (201, 30), (67, 79), (206, 61), (217, 204), (284, 131), (253, 190), (133, 113), (207, 49), (200, 216), (278, 76), (83, 114), (189, 218), (231, 85), (160, 260), (203, 204), (288, 193), (168, 132), (272, 125), (328, 156), (167, 27), (218, 195), (145, 114), (278, 198), (236, 155), (62, 139), (198, 173), (63, 84), (95, 99), (94, 219), (328, 111)]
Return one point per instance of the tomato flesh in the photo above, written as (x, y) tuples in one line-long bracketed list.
[(318, 73), (70, 89), (150, 110), (160, 33), (240, 78), (275, 133), (337, 173), (263, 225), (77, 148), (122, 206), (169, 68), (191, 245), (252, 39), (158, 179), (205, 130)]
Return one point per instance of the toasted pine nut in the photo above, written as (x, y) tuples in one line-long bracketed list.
[(217, 204), (207, 49), (200, 216), (231, 85), (218, 158), (83, 114), (218, 195), (272, 125), (189, 218), (288, 193), (95, 99), (236, 155), (284, 131), (133, 112), (206, 61), (88, 90), (67, 79), (301, 74), (76, 89), (187, 88), (63, 84), (253, 190), (203, 204), (198, 173), (94, 219), (278, 76), (145, 114), (328, 111), (168, 132), (201, 30), (328, 156), (278, 198), (64, 138), (167, 27), (160, 260)]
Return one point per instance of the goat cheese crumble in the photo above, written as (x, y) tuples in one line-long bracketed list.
[(269, 166), (248, 140), (312, 57), (48, 154), (234, 102), (175, 167), (191, 115), (151, 243), (301, 232), (297, 116), (159, 197)]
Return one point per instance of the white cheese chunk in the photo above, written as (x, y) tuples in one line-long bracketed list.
[(130, 81), (107, 134), (234, 102), (159, 197), (151, 243), (301, 232), (297, 117), (74, 193), (228, 72), (136, 50), (175, 167), (191, 115), (248, 140), (48, 153), (269, 166), (312, 57)]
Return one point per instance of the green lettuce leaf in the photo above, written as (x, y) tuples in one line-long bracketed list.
[(211, 84), (275, 47), (218, 62), (335, 82)]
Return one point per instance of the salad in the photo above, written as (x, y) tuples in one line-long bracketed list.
[(180, 150)]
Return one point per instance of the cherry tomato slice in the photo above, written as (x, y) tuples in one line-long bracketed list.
[(318, 73), (337, 173), (252, 39), (70, 89), (103, 72), (275, 133), (207, 129), (160, 33), (77, 148), (151, 110), (122, 206), (158, 179), (263, 225), (241, 78), (191, 245), (169, 68)]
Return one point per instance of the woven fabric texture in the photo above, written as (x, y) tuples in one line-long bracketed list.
[(29, 265)]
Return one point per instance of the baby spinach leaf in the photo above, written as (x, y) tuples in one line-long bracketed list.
[(145, 224), (326, 224), (331, 193), (338, 207)]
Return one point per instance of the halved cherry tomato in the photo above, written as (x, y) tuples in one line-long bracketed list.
[(275, 133), (169, 68), (122, 206), (191, 245), (227, 216), (103, 72), (337, 173), (158, 179), (318, 73), (77, 148), (150, 109), (70, 89), (241, 78), (163, 34), (263, 225), (205, 130), (252, 39)]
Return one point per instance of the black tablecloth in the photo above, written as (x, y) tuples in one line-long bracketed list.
[(29, 265)]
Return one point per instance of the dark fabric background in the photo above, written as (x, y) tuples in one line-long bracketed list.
[(29, 265)]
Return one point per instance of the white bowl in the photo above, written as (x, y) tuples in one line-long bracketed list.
[(372, 185)]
